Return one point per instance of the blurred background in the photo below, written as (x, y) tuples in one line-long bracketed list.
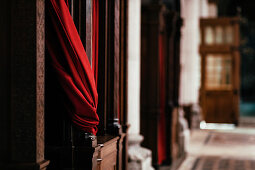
[(175, 81)]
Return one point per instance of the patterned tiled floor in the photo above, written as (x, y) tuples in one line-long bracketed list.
[(231, 139), (221, 150), (217, 163)]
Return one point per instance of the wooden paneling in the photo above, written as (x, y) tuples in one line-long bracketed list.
[(218, 108), (107, 157)]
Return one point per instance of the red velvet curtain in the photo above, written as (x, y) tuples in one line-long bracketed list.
[(162, 122), (69, 60)]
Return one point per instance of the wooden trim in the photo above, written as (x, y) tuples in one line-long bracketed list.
[(110, 62), (218, 21), (89, 25), (113, 72), (116, 62), (217, 48), (123, 60), (29, 166)]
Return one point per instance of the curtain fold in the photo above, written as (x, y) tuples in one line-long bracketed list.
[(69, 60)]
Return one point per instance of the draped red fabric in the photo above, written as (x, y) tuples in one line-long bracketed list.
[(69, 60), (162, 123)]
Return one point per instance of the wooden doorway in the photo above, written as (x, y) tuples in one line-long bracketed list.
[(220, 65)]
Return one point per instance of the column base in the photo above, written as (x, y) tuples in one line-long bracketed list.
[(29, 166), (184, 133), (139, 158)]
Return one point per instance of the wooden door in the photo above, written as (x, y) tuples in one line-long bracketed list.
[(221, 86), (220, 62)]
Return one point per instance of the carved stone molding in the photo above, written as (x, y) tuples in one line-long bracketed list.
[(139, 157)]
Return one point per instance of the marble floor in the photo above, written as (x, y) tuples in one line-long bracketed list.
[(221, 150)]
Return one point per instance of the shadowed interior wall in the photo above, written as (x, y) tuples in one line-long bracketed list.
[(245, 9), (4, 74)]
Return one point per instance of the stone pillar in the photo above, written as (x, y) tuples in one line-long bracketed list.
[(190, 60), (191, 12), (203, 8), (140, 158), (212, 10), (27, 46)]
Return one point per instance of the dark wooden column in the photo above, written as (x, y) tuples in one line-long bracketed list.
[(170, 27), (5, 16), (123, 142), (123, 60), (113, 60), (158, 20), (116, 74), (173, 75), (102, 64), (26, 147), (150, 91)]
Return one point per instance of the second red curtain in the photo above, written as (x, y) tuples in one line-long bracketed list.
[(162, 118)]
